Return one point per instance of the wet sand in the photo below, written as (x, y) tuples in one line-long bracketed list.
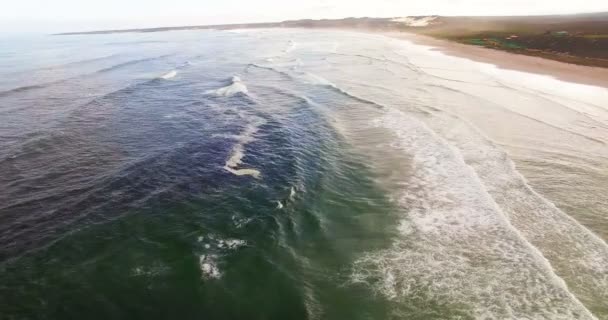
[(563, 71)]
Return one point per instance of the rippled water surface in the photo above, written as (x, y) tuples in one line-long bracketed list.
[(294, 174)]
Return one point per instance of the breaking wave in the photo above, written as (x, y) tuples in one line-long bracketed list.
[(235, 87), (233, 164), (215, 249), (461, 229), (169, 75)]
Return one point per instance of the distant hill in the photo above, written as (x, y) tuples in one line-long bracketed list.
[(588, 22)]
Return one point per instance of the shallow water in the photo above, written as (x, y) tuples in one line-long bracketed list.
[(272, 174)]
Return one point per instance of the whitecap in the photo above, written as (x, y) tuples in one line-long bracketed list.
[(209, 266), (240, 222), (214, 242), (209, 263), (291, 45), (234, 243), (244, 172), (238, 151), (169, 75), (236, 86)]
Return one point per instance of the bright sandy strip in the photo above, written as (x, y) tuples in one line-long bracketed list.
[(505, 60)]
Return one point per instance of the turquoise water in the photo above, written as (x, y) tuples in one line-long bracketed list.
[(290, 174)]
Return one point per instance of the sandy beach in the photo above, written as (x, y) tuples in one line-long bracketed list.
[(560, 70)]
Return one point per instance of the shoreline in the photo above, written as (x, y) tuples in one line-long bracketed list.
[(586, 75), (564, 71)]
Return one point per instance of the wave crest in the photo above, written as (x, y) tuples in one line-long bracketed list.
[(236, 86), (169, 75)]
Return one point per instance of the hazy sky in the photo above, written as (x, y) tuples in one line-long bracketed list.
[(65, 15)]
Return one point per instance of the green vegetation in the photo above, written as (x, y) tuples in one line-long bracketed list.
[(577, 39), (477, 42), (596, 36), (493, 42)]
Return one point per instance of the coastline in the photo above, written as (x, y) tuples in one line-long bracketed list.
[(570, 59), (593, 76)]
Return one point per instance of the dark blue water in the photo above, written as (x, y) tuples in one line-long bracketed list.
[(118, 202)]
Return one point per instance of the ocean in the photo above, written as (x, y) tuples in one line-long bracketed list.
[(294, 174)]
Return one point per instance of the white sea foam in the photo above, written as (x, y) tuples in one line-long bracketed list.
[(227, 136), (235, 243), (236, 86), (169, 75), (215, 250), (235, 160), (244, 172), (456, 244), (238, 151), (213, 241), (291, 45), (240, 222), (209, 266), (290, 198), (292, 193), (576, 254)]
